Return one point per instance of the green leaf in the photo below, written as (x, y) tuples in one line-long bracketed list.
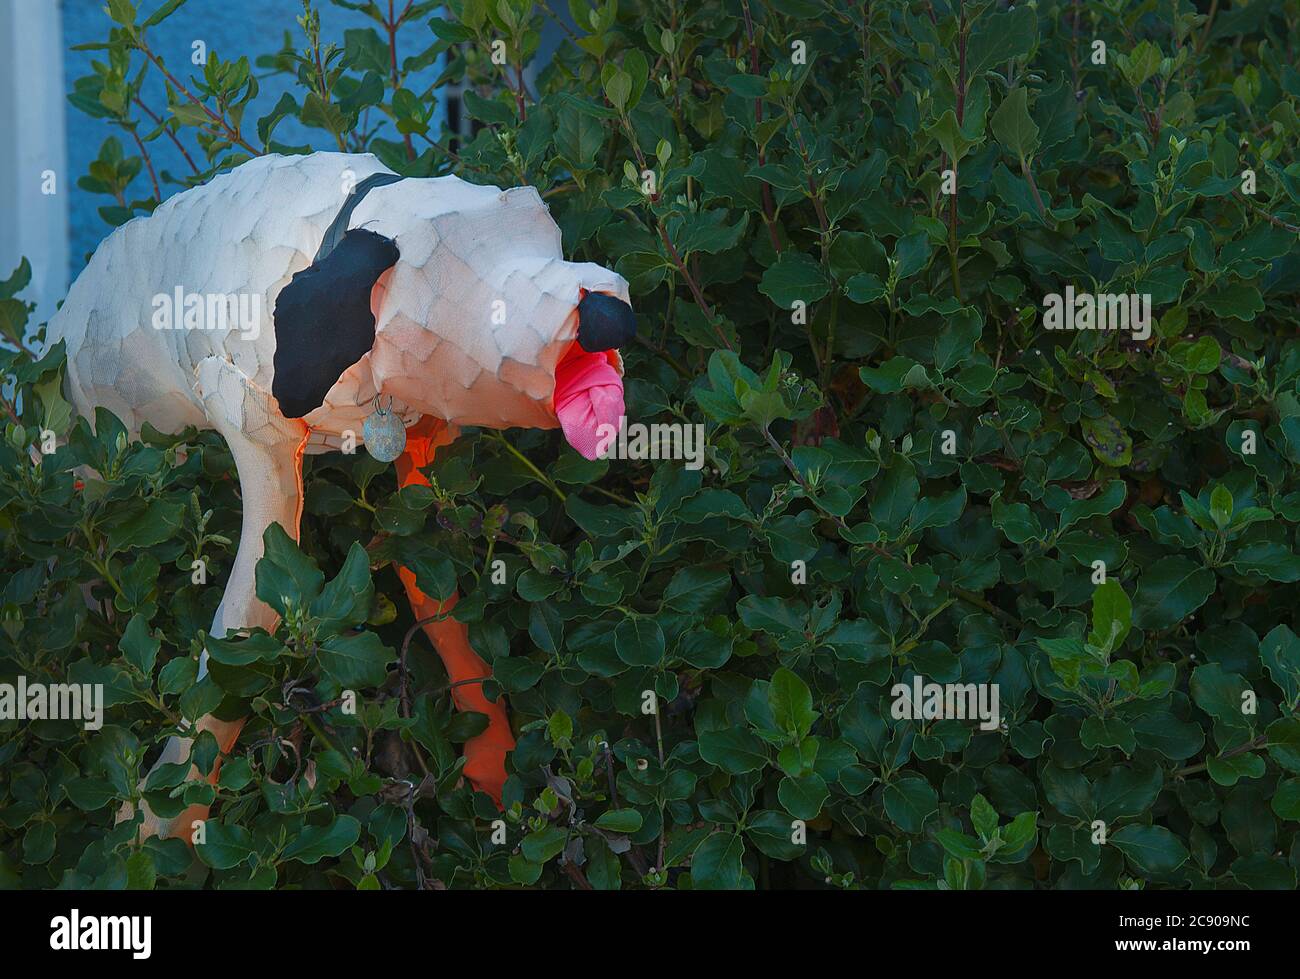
[(983, 818), (896, 493), (1280, 653), (315, 843), (543, 844), (89, 794), (734, 749), (356, 661), (259, 647), (774, 616), (1112, 615), (140, 871), (1151, 849), (236, 773), (1013, 127), (795, 277), (39, 842), (545, 628), (165, 9), (619, 820), (618, 89), (579, 137), (1108, 732), (1218, 692), (696, 589), (347, 599), (285, 576), (138, 646), (1169, 591), (951, 137), (1108, 500), (999, 37), (1126, 792), (1221, 506), (523, 870), (791, 703), (803, 797), (1286, 800), (1019, 835), (639, 641), (772, 833), (1139, 65), (959, 845), (224, 847), (718, 864), (909, 802), (1110, 443), (515, 673)]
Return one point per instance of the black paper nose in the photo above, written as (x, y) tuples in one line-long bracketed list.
[(604, 322)]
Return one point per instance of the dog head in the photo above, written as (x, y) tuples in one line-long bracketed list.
[(454, 300)]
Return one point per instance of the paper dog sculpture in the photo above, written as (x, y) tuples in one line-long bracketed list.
[(449, 300)]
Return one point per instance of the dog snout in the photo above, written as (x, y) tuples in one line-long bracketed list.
[(604, 322)]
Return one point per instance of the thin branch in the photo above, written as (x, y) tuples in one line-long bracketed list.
[(153, 177), (391, 26), (404, 693), (692, 284), (769, 206), (220, 120), (157, 120), (1241, 749), (1209, 23), (1271, 219)]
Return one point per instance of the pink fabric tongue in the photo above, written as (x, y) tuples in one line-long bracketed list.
[(588, 395)]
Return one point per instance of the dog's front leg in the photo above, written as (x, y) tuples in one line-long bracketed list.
[(485, 753), (268, 457)]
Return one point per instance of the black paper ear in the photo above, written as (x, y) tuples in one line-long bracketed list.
[(604, 322), (323, 322)]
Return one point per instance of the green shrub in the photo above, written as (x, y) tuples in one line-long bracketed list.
[(907, 475)]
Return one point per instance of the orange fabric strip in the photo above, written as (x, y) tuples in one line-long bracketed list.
[(485, 753)]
